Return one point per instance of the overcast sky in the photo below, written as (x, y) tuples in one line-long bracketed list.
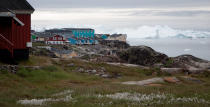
[(181, 14)]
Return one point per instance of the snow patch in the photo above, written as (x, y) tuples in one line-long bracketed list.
[(150, 99), (44, 101), (63, 93), (67, 97), (144, 82)]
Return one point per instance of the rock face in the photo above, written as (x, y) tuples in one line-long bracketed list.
[(191, 79), (171, 79), (142, 55), (189, 61), (146, 56), (107, 59), (9, 68), (173, 70), (115, 44)]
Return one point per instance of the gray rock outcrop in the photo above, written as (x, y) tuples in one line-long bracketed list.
[(142, 55)]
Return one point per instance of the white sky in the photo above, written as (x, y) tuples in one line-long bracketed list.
[(107, 15)]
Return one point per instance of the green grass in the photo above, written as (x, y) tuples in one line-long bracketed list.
[(36, 61), (169, 63), (56, 76), (46, 74)]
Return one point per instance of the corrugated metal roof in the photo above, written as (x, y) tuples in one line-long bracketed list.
[(42, 34), (57, 31), (16, 6), (78, 29)]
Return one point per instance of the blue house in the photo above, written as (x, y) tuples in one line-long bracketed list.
[(81, 36), (104, 37), (76, 35), (83, 33), (72, 41)]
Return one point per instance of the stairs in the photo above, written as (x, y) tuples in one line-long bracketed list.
[(5, 43)]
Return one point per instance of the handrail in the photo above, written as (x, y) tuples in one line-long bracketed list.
[(9, 45)]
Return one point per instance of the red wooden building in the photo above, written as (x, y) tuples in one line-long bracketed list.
[(57, 40), (15, 28)]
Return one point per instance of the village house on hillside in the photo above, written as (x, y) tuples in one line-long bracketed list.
[(71, 36), (82, 36), (61, 32), (40, 36), (15, 28), (48, 38), (57, 39), (75, 36)]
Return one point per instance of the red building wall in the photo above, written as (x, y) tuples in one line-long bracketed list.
[(56, 38), (18, 35), (21, 34)]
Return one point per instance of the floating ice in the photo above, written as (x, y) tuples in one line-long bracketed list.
[(186, 50)]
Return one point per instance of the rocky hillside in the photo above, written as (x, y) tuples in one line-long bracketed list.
[(142, 55), (146, 56), (120, 52), (115, 44), (191, 62)]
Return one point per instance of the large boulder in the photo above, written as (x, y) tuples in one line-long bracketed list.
[(189, 62), (142, 55), (172, 70)]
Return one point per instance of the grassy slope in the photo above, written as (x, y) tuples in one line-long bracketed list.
[(55, 77)]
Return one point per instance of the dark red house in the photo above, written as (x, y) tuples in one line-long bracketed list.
[(15, 28), (57, 40)]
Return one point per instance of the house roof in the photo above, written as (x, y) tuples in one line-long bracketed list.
[(77, 29), (42, 34), (16, 6), (116, 35), (58, 31)]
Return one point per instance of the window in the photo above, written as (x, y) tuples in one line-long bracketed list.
[(60, 38), (54, 38)]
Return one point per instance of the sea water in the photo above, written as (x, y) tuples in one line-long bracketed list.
[(175, 46)]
